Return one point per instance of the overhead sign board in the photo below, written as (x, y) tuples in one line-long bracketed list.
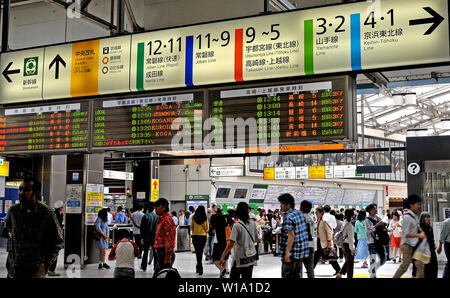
[(21, 76), (226, 171), (285, 173), (118, 175), (87, 68), (330, 39)]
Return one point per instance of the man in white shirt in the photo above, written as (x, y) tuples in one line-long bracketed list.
[(136, 219), (110, 216), (331, 219)]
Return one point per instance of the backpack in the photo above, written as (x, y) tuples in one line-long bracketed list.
[(339, 237), (168, 273)]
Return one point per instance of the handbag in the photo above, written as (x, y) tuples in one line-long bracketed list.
[(422, 252), (330, 254)]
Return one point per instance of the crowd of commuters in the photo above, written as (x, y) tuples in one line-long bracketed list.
[(306, 236)]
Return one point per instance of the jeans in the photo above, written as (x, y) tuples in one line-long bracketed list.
[(375, 249), (407, 251), (160, 255), (347, 268), (309, 264), (446, 273), (147, 248), (267, 240), (199, 244), (210, 243), (241, 272), (124, 273)]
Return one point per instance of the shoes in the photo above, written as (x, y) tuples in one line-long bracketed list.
[(223, 272), (143, 269), (106, 266), (54, 274), (275, 254), (365, 266), (400, 260), (100, 267), (394, 260), (200, 272)]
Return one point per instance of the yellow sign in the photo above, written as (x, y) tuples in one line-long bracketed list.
[(155, 190), (4, 169), (269, 173), (94, 199), (84, 79), (317, 172)]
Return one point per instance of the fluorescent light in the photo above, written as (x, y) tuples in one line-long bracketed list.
[(397, 99), (445, 124)]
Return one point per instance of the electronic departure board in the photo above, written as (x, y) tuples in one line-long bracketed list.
[(299, 111), (55, 127), (146, 121)]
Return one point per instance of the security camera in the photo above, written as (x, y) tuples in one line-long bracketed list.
[(186, 168), (198, 168)]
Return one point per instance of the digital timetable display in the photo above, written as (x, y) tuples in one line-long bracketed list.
[(57, 127), (321, 110), (146, 121)]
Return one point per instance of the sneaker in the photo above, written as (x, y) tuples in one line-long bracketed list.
[(100, 267), (106, 266), (394, 260), (365, 266), (54, 274), (223, 272)]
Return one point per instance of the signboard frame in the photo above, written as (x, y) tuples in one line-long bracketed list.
[(413, 64)]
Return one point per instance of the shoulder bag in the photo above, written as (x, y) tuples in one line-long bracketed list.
[(252, 257)]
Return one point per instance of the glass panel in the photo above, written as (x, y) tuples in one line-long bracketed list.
[(436, 189)]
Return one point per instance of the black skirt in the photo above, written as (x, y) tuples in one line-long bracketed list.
[(218, 249)]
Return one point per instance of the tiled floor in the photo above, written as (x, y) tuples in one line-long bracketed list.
[(268, 267)]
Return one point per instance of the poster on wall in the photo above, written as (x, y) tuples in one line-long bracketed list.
[(94, 202), (74, 195)]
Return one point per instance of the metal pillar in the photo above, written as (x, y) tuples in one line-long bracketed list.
[(5, 25), (121, 16)]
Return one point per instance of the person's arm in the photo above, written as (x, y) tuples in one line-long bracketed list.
[(55, 241), (169, 242), (290, 242), (227, 250), (112, 255), (329, 233), (407, 226)]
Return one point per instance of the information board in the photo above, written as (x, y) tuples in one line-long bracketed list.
[(146, 121), (58, 127), (360, 197), (334, 196), (293, 112)]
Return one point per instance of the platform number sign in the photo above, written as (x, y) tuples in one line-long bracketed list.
[(413, 168)]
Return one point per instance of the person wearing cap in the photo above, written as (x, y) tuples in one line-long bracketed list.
[(59, 207), (165, 236)]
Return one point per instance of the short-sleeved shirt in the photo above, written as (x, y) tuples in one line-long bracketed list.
[(136, 221), (125, 252), (294, 220), (244, 247), (445, 232), (121, 218), (410, 225)]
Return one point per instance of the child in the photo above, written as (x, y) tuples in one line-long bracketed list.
[(124, 253)]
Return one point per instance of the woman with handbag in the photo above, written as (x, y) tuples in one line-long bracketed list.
[(325, 242), (243, 238), (221, 224), (395, 226), (431, 268), (199, 233)]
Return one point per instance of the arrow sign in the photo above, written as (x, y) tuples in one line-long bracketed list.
[(58, 60), (8, 72), (155, 184), (436, 20)]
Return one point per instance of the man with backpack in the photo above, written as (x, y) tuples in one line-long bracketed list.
[(412, 234), (305, 208), (375, 239)]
